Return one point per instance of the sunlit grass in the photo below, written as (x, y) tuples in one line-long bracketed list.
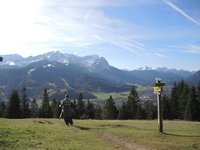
[(104, 96), (140, 88), (53, 134)]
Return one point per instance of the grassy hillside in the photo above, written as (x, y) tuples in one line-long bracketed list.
[(104, 96), (123, 95), (20, 134)]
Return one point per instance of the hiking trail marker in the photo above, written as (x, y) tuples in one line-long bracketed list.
[(158, 87)]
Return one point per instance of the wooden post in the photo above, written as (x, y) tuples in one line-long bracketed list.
[(159, 110), (158, 90)]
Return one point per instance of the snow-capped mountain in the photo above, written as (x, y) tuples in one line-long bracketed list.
[(90, 62), (146, 68), (71, 73), (182, 73), (58, 78), (100, 66)]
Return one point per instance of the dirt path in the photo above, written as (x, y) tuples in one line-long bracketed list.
[(120, 142)]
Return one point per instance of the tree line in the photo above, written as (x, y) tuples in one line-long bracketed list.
[(182, 103)]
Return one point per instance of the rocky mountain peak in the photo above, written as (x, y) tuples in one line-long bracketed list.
[(91, 62), (101, 62)]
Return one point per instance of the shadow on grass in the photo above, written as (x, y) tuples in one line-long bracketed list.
[(43, 122), (81, 128), (8, 144), (178, 135), (126, 126), (113, 125)]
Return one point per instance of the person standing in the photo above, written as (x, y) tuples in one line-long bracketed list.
[(67, 110)]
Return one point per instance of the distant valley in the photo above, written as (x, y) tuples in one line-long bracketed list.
[(61, 73)]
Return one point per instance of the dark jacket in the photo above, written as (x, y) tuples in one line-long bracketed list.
[(67, 108)]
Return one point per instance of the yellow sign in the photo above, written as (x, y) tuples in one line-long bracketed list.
[(157, 88)]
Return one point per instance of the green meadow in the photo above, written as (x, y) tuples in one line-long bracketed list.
[(53, 134)]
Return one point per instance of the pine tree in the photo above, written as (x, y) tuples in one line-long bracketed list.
[(183, 92), (24, 104), (55, 108), (191, 110), (174, 105), (123, 112), (45, 110), (132, 104), (90, 110), (194, 104), (34, 109), (75, 109), (2, 109), (14, 109), (150, 109), (109, 109), (140, 114), (80, 106), (166, 107), (188, 108), (98, 112), (198, 101)]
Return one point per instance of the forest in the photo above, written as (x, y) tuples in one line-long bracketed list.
[(183, 103)]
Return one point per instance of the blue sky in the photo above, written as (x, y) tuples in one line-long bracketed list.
[(128, 33)]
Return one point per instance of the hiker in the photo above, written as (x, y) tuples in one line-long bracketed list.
[(66, 110)]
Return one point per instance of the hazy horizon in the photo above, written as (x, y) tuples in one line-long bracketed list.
[(146, 66)]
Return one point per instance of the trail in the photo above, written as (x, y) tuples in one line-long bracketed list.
[(120, 142)]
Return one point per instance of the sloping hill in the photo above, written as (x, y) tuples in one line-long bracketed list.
[(58, 78), (194, 79), (148, 76)]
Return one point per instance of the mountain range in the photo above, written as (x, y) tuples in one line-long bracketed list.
[(61, 73)]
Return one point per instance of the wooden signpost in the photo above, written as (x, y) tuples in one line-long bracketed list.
[(157, 90)]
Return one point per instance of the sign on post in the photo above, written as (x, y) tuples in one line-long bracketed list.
[(157, 88)]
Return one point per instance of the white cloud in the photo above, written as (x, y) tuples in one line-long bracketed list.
[(192, 49), (182, 12), (161, 55), (195, 49), (38, 26), (31, 26)]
